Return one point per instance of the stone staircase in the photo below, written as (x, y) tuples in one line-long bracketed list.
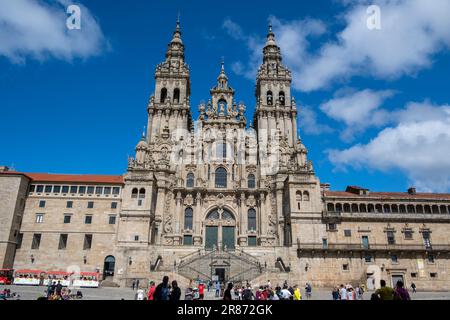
[(201, 265)]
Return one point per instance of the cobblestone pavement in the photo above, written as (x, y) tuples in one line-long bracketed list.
[(32, 293)]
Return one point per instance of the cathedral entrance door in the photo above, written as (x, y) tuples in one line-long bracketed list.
[(211, 237), (220, 230), (220, 273)]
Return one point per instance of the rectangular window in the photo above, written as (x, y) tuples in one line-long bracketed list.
[(332, 227), (113, 205), (48, 189), (39, 189), (19, 240), (426, 239), (139, 203), (39, 218), (345, 267), (42, 204), (62, 242), (187, 240), (67, 218), (325, 243), (57, 189), (98, 190), (88, 219), (348, 233), (408, 234), (112, 219), (36, 241), (368, 258), (73, 189), (394, 258), (433, 275), (252, 241), (87, 242), (413, 275), (69, 204), (32, 188), (390, 237), (107, 190), (136, 238), (430, 258), (116, 190), (90, 205), (365, 242), (90, 190), (65, 189), (82, 190)]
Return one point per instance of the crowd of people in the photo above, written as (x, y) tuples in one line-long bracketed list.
[(347, 292), (56, 291)]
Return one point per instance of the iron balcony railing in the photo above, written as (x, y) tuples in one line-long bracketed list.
[(371, 247)]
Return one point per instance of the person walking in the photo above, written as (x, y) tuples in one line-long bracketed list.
[(189, 293), (413, 287), (201, 290), (133, 284), (175, 294), (385, 293), (308, 290), (297, 294), (400, 292), (217, 289), (335, 293), (286, 294), (137, 284), (227, 293), (151, 291), (162, 290)]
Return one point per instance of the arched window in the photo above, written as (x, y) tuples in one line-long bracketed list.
[(282, 98), (411, 208), (338, 207), (306, 196), (176, 95), (362, 208), (251, 220), (221, 178), (134, 193), (370, 208), (298, 196), (387, 208), (443, 209), (419, 208), (190, 180), (223, 105), (330, 207), (251, 181), (163, 95), (346, 207), (188, 218), (269, 98), (378, 208), (355, 207), (142, 193)]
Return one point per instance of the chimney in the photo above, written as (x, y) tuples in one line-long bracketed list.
[(412, 190)]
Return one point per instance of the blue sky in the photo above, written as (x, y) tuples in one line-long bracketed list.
[(374, 103)]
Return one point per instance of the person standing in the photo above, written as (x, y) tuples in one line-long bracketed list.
[(151, 291), (162, 290), (133, 284), (217, 289), (308, 290), (413, 287), (140, 294), (342, 293), (335, 293), (201, 290), (286, 294), (58, 289), (227, 293), (385, 293), (175, 294), (400, 292)]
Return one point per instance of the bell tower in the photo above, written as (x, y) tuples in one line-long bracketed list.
[(168, 108), (276, 110)]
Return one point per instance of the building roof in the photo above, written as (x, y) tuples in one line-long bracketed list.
[(74, 178), (388, 195)]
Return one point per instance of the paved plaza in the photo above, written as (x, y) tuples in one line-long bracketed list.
[(32, 293)]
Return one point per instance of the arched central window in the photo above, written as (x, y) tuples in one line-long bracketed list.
[(282, 98), (163, 95), (221, 178), (251, 220), (176, 95), (269, 98), (190, 180), (188, 218), (251, 181)]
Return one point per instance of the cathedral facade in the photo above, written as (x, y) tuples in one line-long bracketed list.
[(223, 198)]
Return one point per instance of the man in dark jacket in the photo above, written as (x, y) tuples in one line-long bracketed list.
[(162, 290), (175, 294)]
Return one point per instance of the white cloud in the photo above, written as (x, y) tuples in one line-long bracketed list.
[(357, 110), (36, 29), (418, 145), (307, 122), (412, 32)]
